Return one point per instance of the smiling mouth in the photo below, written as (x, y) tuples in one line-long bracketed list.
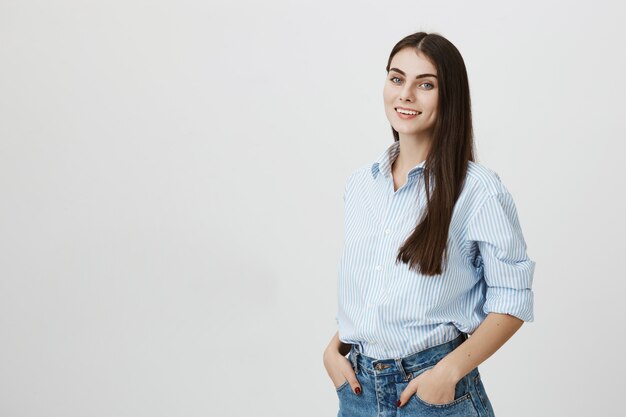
[(407, 112)]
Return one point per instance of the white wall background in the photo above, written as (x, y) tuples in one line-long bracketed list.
[(171, 178)]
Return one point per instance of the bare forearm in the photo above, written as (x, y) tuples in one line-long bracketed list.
[(492, 333), (337, 345)]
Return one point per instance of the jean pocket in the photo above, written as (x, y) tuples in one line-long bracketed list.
[(342, 386), (464, 400), (462, 396)]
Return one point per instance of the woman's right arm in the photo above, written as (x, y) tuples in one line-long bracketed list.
[(338, 366)]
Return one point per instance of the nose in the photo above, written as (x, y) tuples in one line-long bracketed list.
[(407, 93)]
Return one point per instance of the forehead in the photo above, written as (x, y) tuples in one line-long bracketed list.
[(412, 62)]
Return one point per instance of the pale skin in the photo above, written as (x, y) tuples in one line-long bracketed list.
[(411, 88), (411, 83)]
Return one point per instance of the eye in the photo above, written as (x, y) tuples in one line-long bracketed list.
[(431, 85), (393, 78)]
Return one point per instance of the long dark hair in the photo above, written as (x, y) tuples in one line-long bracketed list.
[(451, 150)]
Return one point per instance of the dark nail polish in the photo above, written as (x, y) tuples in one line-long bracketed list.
[(358, 390), (398, 403)]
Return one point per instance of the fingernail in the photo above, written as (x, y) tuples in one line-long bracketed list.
[(398, 403), (358, 390)]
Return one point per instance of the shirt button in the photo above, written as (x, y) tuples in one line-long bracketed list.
[(387, 231), (378, 267), (370, 305)]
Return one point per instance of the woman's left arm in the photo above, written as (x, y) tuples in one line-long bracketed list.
[(488, 337), (440, 380), (508, 274)]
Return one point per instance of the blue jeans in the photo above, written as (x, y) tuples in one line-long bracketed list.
[(383, 380)]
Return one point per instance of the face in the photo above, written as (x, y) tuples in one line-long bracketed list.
[(408, 87)]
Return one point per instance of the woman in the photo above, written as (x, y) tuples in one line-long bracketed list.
[(433, 253)]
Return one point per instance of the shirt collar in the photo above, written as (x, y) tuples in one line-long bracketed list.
[(386, 159)]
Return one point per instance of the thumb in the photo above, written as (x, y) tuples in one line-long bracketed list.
[(354, 383), (405, 396)]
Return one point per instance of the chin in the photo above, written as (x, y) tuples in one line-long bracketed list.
[(403, 129)]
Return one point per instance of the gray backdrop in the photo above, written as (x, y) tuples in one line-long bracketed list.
[(171, 178)]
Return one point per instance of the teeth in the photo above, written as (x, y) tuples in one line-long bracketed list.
[(406, 111)]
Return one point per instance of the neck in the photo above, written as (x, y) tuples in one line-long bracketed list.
[(413, 150)]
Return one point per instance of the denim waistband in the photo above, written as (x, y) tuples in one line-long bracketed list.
[(406, 365)]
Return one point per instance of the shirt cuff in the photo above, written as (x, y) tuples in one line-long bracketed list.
[(513, 301)]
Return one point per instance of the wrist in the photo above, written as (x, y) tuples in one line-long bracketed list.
[(448, 371)]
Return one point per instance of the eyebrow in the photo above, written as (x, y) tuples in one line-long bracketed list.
[(418, 77)]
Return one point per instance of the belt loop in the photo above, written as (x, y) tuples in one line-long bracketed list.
[(401, 368), (353, 358)]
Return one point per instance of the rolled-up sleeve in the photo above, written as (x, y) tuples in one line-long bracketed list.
[(502, 258)]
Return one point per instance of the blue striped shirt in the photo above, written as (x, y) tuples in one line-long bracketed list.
[(391, 311)]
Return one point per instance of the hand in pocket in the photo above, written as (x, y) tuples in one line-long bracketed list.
[(432, 387), (340, 370)]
